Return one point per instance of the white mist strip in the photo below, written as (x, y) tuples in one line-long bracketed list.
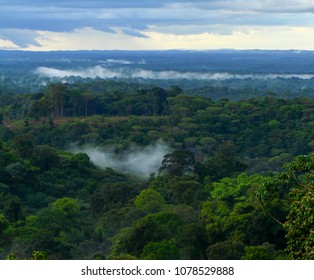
[(105, 73)]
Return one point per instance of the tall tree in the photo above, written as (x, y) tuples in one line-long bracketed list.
[(178, 163), (57, 94)]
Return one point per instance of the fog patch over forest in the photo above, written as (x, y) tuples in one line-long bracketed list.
[(123, 73), (139, 161)]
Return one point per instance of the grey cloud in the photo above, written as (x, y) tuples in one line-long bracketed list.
[(236, 5), (95, 3), (133, 33), (136, 17), (22, 38), (278, 6)]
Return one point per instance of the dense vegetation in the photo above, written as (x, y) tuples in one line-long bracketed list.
[(220, 193)]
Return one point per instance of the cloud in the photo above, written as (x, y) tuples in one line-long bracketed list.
[(22, 38), (102, 15), (241, 6), (216, 37), (141, 19), (133, 33), (94, 3), (117, 61), (88, 39), (241, 37), (105, 73), (209, 4), (140, 161), (7, 44)]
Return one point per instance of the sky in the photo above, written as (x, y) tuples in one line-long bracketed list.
[(44, 25)]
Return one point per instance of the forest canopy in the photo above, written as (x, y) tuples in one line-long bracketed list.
[(234, 181)]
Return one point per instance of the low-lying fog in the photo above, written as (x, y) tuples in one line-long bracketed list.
[(106, 73), (140, 161)]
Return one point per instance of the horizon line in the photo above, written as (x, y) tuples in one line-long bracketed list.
[(162, 50)]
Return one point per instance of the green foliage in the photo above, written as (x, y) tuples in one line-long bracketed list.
[(164, 250), (178, 163), (261, 252), (3, 223), (235, 189), (114, 220), (225, 251), (45, 157), (294, 188), (114, 194), (199, 205), (224, 163), (36, 255), (187, 192), (124, 257), (215, 215), (39, 255), (151, 228), (192, 242), (11, 257), (300, 224), (24, 144), (149, 201)]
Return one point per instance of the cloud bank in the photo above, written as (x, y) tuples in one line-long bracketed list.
[(23, 22), (138, 161), (106, 73)]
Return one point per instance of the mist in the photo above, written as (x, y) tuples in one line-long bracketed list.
[(139, 161), (106, 73), (116, 61)]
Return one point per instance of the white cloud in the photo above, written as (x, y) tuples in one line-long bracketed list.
[(216, 37), (242, 37), (86, 38), (7, 44)]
